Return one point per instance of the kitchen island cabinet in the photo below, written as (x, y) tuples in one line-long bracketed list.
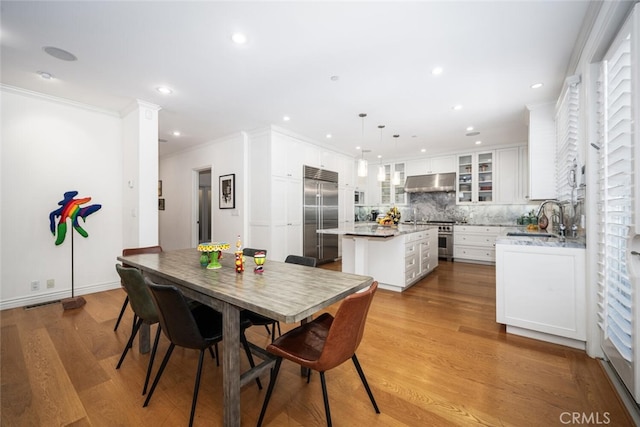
[(540, 289), (396, 257)]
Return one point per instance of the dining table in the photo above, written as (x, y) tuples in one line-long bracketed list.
[(289, 293)]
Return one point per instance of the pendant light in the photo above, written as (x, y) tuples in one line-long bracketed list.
[(396, 175), (381, 174), (363, 166)]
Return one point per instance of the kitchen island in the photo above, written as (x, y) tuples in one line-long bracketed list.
[(397, 257)]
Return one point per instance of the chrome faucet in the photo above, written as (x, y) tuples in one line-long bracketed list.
[(561, 226)]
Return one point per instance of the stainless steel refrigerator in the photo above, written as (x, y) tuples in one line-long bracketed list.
[(320, 212)]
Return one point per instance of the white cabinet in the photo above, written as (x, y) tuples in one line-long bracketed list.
[(286, 214), (511, 175), (417, 167), (286, 156), (392, 192), (475, 178), (442, 164), (473, 243), (540, 292), (542, 152)]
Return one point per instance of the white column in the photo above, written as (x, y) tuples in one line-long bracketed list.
[(140, 175)]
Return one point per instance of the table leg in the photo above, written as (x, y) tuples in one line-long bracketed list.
[(231, 365), (144, 338), (305, 371)]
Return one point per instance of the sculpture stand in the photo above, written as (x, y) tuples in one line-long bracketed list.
[(73, 302)]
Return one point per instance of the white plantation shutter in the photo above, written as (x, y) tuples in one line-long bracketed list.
[(567, 139), (616, 207)]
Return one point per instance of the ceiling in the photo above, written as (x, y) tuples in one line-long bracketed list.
[(380, 55)]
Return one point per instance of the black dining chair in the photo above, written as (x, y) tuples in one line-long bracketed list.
[(134, 251), (198, 327), (324, 343), (145, 312), (301, 260), (258, 319)]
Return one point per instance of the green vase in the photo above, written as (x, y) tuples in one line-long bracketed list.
[(204, 259)]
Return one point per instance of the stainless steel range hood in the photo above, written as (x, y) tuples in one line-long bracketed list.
[(431, 183)]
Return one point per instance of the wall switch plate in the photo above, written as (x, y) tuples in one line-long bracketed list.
[(51, 283), (35, 285)]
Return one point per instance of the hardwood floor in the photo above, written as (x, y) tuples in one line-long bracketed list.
[(433, 355)]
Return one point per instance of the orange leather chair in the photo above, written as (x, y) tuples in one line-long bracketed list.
[(325, 343)]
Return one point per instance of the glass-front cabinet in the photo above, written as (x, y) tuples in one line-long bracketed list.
[(475, 182), (392, 188)]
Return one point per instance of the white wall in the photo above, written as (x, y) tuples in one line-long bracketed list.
[(50, 146), (178, 172)]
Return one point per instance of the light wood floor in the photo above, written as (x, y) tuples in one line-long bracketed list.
[(433, 355)]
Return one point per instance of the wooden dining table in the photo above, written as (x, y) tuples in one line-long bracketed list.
[(285, 292)]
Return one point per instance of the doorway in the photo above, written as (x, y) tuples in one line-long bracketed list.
[(204, 205)]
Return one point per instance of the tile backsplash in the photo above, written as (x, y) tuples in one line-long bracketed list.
[(442, 206)]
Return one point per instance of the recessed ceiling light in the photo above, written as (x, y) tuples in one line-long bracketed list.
[(469, 128), (60, 53), (478, 142), (329, 136), (239, 38), (423, 150), (176, 133), (358, 147), (536, 86), (437, 71), (164, 90), (286, 118), (45, 75), (457, 107)]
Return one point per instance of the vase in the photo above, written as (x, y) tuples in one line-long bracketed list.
[(204, 259), (543, 221)]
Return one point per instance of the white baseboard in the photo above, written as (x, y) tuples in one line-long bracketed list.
[(41, 298)]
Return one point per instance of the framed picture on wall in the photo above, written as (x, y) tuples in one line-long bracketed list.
[(228, 191)]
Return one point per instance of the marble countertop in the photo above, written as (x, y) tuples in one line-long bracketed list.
[(371, 229), (533, 240)]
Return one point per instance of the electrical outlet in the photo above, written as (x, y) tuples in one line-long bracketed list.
[(51, 283), (35, 285)]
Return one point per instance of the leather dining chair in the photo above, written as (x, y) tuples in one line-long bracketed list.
[(325, 343), (134, 251), (144, 309), (191, 326)]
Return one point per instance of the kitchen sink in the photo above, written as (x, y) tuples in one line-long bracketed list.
[(530, 234)]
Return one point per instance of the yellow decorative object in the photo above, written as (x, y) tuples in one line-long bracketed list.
[(391, 218), (213, 248)]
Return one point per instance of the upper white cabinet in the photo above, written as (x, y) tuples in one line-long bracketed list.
[(286, 156), (441, 164), (511, 175), (475, 177), (542, 152), (417, 167)]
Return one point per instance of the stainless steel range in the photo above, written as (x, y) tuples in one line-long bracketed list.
[(445, 238)]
